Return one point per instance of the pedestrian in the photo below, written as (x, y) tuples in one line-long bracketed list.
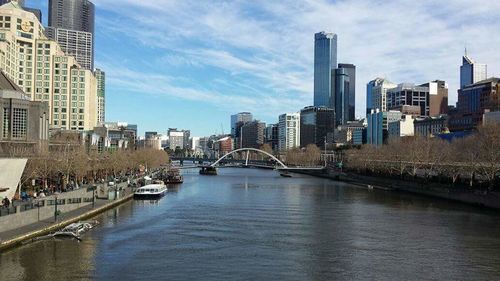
[(7, 202)]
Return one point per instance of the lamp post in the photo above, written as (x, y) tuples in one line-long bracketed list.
[(55, 209)]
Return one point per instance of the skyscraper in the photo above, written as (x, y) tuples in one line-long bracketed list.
[(325, 62), (101, 95), (341, 97), (317, 125), (471, 72), (71, 24), (244, 117), (350, 70)]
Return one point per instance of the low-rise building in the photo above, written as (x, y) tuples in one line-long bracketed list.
[(378, 125), (402, 128), (430, 126)]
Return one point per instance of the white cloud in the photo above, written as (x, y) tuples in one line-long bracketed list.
[(267, 46)]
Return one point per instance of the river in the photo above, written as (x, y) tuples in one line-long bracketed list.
[(249, 224)]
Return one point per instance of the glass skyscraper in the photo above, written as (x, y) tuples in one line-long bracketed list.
[(350, 71), (325, 63), (471, 72), (342, 96)]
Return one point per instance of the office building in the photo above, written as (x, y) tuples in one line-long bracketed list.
[(325, 63), (378, 125), (474, 101), (409, 94), (350, 70), (341, 97), (179, 139), (24, 124), (376, 94), (71, 24), (289, 131), (317, 126), (352, 133), (44, 72), (101, 95), (438, 97), (111, 136), (471, 72), (243, 117), (430, 126), (149, 135), (272, 136), (252, 134), (402, 128), (223, 146)]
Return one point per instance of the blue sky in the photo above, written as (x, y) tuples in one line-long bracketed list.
[(191, 64)]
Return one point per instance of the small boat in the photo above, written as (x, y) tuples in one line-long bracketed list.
[(74, 230), (285, 175), (174, 177), (208, 171), (151, 191)]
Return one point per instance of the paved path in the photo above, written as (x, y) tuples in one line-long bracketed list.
[(7, 235)]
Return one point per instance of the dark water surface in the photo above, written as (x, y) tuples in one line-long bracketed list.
[(248, 224)]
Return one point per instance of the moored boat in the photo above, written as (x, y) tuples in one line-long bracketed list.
[(209, 171), (174, 177), (151, 191)]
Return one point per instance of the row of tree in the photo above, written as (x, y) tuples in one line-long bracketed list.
[(474, 159), (61, 166)]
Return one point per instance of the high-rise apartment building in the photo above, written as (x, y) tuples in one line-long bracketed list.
[(101, 95), (45, 73), (325, 63), (350, 71), (289, 131), (244, 117), (471, 72), (71, 24)]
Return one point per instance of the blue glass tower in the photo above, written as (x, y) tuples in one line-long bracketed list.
[(342, 97), (325, 63)]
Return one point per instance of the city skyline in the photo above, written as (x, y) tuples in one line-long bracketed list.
[(239, 56)]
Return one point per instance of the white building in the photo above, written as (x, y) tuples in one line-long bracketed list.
[(289, 131), (74, 43), (379, 94), (176, 140), (403, 127)]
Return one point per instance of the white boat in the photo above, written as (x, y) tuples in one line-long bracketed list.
[(74, 230), (151, 191)]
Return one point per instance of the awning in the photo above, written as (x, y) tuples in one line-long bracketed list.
[(11, 171)]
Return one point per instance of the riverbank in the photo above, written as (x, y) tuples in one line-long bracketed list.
[(478, 198), (27, 234)]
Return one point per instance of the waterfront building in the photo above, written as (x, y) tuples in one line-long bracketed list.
[(350, 70), (101, 95), (402, 128), (431, 126), (473, 101), (176, 138), (325, 63), (317, 125), (272, 136), (24, 124), (252, 134), (376, 93), (341, 96), (471, 72), (71, 24), (243, 117), (44, 72), (289, 131), (378, 125), (223, 146)]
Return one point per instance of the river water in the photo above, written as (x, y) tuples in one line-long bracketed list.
[(248, 224)]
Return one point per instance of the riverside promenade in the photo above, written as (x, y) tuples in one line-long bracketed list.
[(18, 236)]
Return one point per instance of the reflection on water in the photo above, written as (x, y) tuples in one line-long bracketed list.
[(254, 224)]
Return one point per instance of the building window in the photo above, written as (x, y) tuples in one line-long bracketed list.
[(19, 123), (6, 122)]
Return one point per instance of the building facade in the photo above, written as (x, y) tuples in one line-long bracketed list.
[(350, 70), (341, 97), (272, 136), (101, 95), (44, 72), (71, 24), (24, 124), (325, 63), (471, 72), (377, 94), (243, 117), (317, 126), (289, 131), (252, 134), (409, 94), (430, 126), (378, 125), (403, 127)]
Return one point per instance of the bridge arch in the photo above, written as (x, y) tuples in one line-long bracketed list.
[(248, 150)]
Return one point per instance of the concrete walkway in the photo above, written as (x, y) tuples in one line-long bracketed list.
[(11, 234)]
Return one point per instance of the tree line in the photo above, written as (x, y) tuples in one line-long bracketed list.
[(472, 160)]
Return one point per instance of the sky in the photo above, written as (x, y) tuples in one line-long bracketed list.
[(190, 64)]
